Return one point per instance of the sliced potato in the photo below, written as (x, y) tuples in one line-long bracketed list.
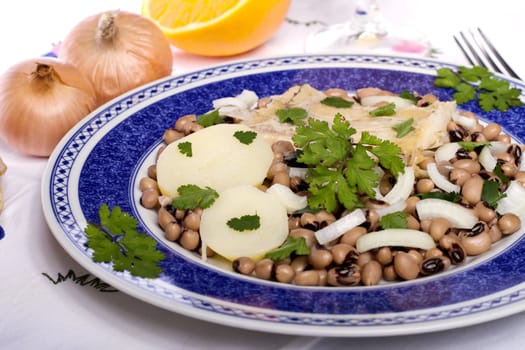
[(218, 160), (236, 202)]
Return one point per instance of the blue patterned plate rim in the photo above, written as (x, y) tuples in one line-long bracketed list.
[(102, 158)]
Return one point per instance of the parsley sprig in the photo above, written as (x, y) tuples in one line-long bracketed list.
[(478, 82), (117, 240), (339, 169)]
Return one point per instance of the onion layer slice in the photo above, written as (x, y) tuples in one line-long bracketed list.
[(397, 237)]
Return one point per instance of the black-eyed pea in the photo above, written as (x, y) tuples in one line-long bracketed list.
[(307, 278), (341, 251), (323, 277), (281, 177), (483, 212), (190, 240), (150, 198), (389, 273), (185, 123), (283, 147), (276, 167), (337, 92), (495, 233), (413, 223), (492, 131), (305, 233), (293, 222), (299, 263), (372, 217), (344, 275), (505, 138), (424, 225), (477, 240), (243, 265), (520, 177), (159, 151), (284, 273), (147, 183), (152, 172), (324, 218), (406, 266), (470, 165), (351, 236), (433, 265), (509, 169), (459, 176), (438, 228), (472, 189), (371, 273), (192, 221), (320, 258), (424, 185), (384, 255), (172, 231), (363, 258), (433, 253), (411, 204), (171, 135), (165, 218), (509, 223), (416, 254), (265, 269), (209, 252), (453, 247)]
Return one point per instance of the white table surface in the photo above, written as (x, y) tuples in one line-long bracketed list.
[(36, 312)]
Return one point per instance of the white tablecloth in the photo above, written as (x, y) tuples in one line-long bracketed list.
[(48, 301)]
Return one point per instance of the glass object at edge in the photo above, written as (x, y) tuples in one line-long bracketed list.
[(365, 29)]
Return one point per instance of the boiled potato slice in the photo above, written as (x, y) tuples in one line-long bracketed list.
[(236, 202), (218, 160)]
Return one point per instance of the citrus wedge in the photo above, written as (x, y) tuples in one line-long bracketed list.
[(217, 28)]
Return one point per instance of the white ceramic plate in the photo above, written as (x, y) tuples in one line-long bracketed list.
[(104, 156)]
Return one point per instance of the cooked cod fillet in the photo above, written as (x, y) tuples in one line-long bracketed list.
[(430, 122)]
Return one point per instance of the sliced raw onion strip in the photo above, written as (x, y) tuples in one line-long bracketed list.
[(457, 215), (514, 201), (290, 200), (395, 237), (466, 122), (486, 159), (392, 208), (446, 152), (440, 180), (403, 187), (340, 226)]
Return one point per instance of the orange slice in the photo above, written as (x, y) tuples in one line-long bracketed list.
[(217, 28)]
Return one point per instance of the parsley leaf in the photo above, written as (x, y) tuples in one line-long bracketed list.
[(397, 219), (490, 193), (117, 240), (385, 110), (404, 128), (407, 95), (192, 196), (472, 145), (185, 148), (451, 197), (499, 173), (245, 137), (291, 246), (245, 223), (294, 115), (337, 102), (210, 118), (340, 171), (478, 82)]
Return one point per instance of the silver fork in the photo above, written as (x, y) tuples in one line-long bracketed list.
[(479, 50)]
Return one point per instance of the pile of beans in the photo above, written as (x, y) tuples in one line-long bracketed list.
[(338, 263)]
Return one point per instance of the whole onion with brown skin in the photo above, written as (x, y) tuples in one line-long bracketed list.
[(118, 51), (40, 100)]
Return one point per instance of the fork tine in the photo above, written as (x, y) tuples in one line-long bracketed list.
[(504, 63), (465, 53), (485, 53)]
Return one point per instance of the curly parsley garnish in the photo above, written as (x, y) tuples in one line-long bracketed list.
[(294, 115), (245, 137), (245, 223), (117, 240), (340, 170), (185, 148), (337, 102), (291, 246), (404, 128), (478, 82), (193, 196)]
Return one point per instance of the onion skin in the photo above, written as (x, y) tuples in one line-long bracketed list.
[(118, 51), (40, 100)]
